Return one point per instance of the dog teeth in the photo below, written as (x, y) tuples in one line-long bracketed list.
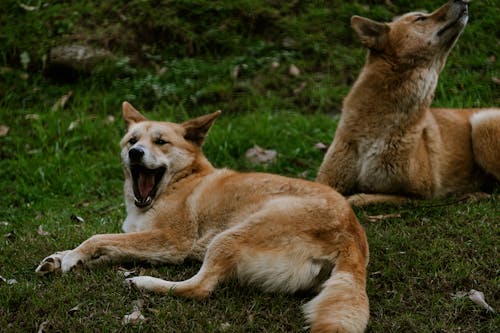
[(144, 202)]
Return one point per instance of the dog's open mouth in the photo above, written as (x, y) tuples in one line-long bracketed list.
[(145, 184)]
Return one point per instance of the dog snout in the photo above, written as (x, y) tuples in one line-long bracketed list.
[(136, 154)]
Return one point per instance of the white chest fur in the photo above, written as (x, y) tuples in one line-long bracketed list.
[(375, 168), (136, 220)]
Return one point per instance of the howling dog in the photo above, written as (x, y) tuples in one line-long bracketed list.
[(390, 145), (278, 233)]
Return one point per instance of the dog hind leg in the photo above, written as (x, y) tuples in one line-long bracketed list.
[(218, 264), (486, 140)]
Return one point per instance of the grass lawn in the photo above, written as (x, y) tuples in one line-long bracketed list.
[(179, 60)]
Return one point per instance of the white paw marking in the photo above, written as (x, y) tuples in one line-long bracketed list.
[(150, 283), (51, 263), (71, 260)]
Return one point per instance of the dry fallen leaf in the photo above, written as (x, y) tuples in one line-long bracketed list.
[(42, 232), (126, 273), (374, 218), (74, 309), (73, 125), (10, 235), (321, 146), (478, 298), (294, 70), (133, 318), (225, 326), (109, 120), (258, 155), (32, 116), (459, 294), (4, 129), (136, 316), (8, 281), (495, 80), (61, 102), (27, 8), (299, 89), (236, 72), (77, 219), (43, 327), (275, 64), (4, 223)]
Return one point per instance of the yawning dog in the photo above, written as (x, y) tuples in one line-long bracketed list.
[(389, 142), (278, 233)]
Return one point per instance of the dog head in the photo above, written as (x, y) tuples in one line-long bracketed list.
[(155, 154), (415, 38)]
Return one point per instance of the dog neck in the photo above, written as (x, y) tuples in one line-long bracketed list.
[(385, 89), (197, 170)]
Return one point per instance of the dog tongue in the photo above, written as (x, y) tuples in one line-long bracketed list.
[(146, 184)]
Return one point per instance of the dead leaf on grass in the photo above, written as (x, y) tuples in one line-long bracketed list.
[(125, 272), (374, 218), (74, 309), (225, 326), (43, 327), (73, 125), (478, 298), (321, 146), (32, 116), (4, 223), (109, 120), (475, 296), (495, 80), (27, 8), (136, 316), (8, 281), (4, 129), (236, 72), (61, 102), (300, 88), (259, 155), (294, 70), (10, 235), (42, 232), (77, 219)]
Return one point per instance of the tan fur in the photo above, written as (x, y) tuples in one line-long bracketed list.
[(389, 143), (280, 234)]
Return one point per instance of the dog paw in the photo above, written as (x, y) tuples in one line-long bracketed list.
[(51, 263), (71, 260), (149, 283)]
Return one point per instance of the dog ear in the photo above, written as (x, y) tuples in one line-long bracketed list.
[(372, 34), (131, 115), (197, 128)]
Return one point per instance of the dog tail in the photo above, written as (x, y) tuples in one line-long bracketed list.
[(342, 304)]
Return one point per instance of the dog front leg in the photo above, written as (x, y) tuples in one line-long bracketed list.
[(151, 246), (338, 169)]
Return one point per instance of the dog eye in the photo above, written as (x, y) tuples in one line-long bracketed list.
[(160, 142), (132, 141), (420, 18)]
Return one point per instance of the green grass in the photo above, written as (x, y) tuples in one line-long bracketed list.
[(51, 170)]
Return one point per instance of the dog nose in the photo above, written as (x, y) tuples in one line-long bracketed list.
[(135, 154)]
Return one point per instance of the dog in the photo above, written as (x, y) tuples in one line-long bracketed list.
[(279, 233), (389, 145)]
